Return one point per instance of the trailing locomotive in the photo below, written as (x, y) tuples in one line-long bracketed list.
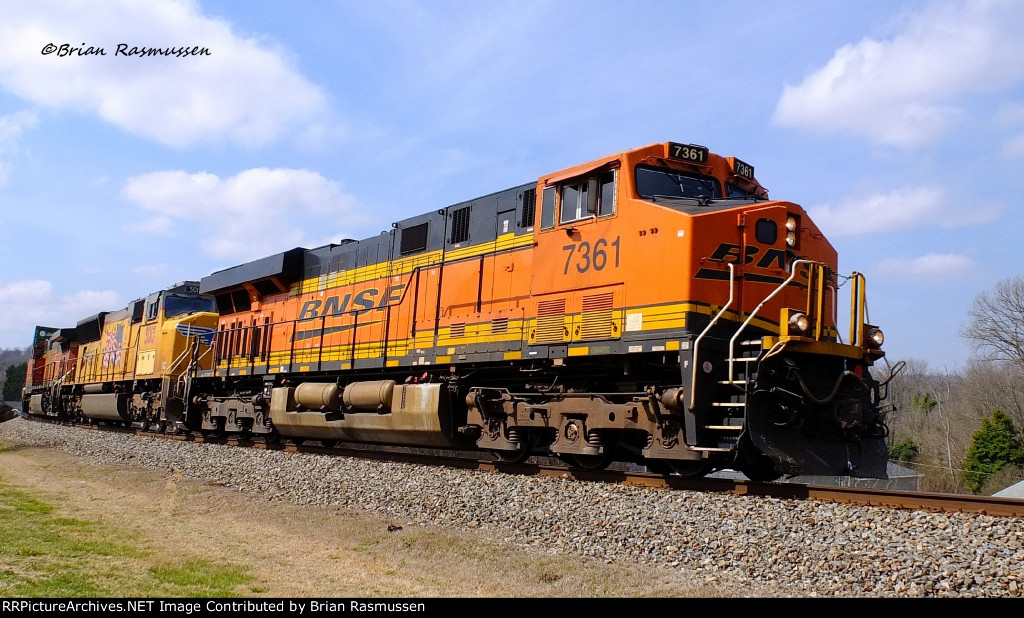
[(127, 366), (651, 306)]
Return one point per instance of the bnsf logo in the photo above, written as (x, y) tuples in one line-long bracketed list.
[(362, 301), (772, 258)]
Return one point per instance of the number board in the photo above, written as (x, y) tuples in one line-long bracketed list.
[(688, 152), (743, 169)]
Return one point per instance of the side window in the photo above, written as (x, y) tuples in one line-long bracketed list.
[(574, 202), (607, 204), (592, 196), (547, 209), (137, 312)]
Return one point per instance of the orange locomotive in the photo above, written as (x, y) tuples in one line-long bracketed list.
[(651, 306)]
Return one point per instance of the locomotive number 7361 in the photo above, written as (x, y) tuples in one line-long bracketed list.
[(589, 255)]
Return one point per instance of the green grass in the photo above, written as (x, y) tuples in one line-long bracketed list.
[(46, 555), (200, 578)]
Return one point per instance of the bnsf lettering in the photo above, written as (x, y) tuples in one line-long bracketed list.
[(772, 258), (361, 303)]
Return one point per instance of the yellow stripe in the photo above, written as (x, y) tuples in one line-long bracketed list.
[(655, 318), (405, 266)]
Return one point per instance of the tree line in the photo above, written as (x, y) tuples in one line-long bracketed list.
[(963, 430), (13, 364)]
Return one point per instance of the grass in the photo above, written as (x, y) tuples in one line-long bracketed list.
[(201, 578), (43, 554)]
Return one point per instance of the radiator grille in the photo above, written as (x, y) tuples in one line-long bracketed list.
[(596, 322), (550, 321)]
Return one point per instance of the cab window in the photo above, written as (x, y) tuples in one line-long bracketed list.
[(547, 209), (177, 305), (738, 192), (591, 196), (654, 181)]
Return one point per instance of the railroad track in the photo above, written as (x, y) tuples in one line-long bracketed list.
[(893, 499)]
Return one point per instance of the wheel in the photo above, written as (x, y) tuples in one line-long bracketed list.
[(218, 429), (527, 442), (329, 443), (512, 456), (756, 467), (590, 462), (657, 466), (689, 468)]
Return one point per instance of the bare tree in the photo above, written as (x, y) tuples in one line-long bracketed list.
[(988, 386), (996, 326)]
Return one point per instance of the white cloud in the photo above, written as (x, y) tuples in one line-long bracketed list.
[(927, 266), (245, 90), (902, 91), (11, 128), (252, 214), (900, 209), (27, 304), (904, 208)]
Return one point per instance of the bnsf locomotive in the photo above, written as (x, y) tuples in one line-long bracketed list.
[(652, 306)]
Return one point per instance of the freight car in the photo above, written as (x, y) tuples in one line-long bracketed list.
[(651, 306)]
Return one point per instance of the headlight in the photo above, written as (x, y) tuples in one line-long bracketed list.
[(875, 337), (799, 323), (791, 223), (791, 239)]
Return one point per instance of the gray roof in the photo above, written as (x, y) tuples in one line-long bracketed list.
[(1013, 491)]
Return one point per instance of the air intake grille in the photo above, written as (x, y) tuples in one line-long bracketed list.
[(550, 321), (597, 316)]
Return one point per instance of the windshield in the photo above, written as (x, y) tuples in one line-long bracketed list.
[(739, 193), (178, 305), (654, 181)]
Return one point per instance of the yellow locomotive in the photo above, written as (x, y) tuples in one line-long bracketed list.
[(126, 366)]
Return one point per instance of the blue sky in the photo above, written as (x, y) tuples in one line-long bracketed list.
[(898, 125)]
